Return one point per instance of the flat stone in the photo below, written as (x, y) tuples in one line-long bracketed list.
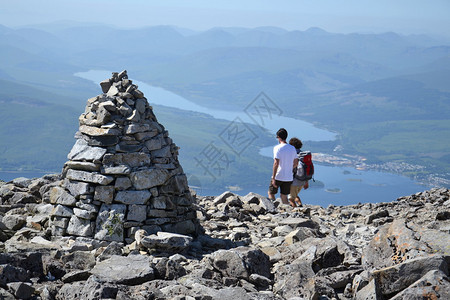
[(87, 206), (82, 166), (59, 195), (77, 275), (62, 211), (103, 140), (89, 177), (89, 289), (96, 131), (166, 241), (104, 193), (154, 143), (22, 182), (14, 222), (128, 270), (164, 152), (116, 170), (160, 213), (186, 200), (141, 105), (122, 183), (136, 128), (177, 185), (396, 278), (142, 136), (299, 222), (84, 214), (125, 147), (222, 198), (149, 178), (169, 166), (83, 152), (80, 227), (77, 188), (379, 214), (132, 160), (159, 202), (133, 197), (137, 213)]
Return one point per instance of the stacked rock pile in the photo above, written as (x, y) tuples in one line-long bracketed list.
[(123, 172)]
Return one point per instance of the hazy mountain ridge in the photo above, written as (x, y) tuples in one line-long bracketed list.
[(316, 47), (166, 39)]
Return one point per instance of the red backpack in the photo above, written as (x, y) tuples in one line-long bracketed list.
[(305, 168)]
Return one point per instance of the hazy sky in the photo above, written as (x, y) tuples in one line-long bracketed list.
[(402, 16)]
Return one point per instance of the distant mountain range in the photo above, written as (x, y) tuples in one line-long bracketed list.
[(351, 83)]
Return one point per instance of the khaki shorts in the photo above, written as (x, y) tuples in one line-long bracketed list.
[(294, 191), (285, 187)]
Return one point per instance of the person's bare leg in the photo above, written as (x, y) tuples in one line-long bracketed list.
[(292, 202), (271, 196), (298, 201), (284, 199)]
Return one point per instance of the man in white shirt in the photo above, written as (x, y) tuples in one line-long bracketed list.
[(284, 161)]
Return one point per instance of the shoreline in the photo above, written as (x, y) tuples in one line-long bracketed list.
[(359, 163)]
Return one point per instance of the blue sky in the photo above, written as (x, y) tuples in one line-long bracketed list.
[(402, 16)]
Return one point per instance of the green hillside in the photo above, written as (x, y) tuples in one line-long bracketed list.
[(423, 142), (35, 135)]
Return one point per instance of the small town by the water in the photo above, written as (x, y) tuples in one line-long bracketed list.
[(402, 168)]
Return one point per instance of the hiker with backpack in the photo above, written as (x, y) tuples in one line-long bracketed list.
[(284, 161), (302, 174)]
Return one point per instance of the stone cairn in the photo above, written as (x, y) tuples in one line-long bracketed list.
[(123, 173)]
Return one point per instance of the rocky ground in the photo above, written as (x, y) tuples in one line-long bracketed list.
[(250, 248)]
